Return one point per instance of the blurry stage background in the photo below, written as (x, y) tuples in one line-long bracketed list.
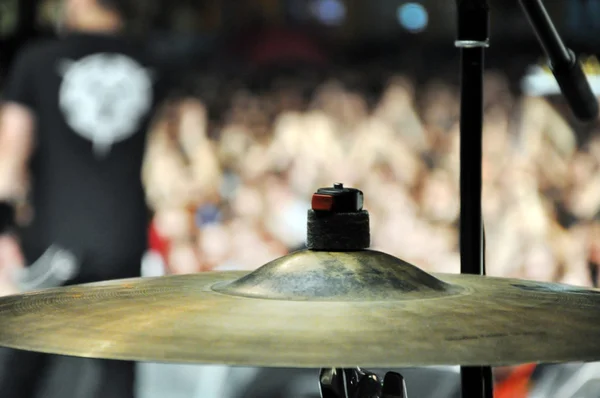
[(282, 97)]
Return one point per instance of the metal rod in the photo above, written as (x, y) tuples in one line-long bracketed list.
[(473, 37), (471, 220), (546, 32), (471, 138), (483, 389), (565, 67), (488, 382), (471, 379)]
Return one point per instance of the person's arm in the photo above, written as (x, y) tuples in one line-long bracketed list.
[(16, 143), (163, 170), (16, 137), (17, 124), (204, 167)]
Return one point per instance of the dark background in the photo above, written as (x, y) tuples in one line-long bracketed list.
[(369, 30)]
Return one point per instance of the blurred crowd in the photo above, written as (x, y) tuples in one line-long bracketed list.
[(240, 162)]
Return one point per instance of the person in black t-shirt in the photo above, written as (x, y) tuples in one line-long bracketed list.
[(73, 127)]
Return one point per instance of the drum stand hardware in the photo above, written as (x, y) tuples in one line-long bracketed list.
[(335, 212), (359, 383), (472, 40)]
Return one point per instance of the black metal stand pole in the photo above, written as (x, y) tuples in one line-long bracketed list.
[(473, 38)]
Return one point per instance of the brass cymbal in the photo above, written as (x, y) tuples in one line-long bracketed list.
[(312, 309)]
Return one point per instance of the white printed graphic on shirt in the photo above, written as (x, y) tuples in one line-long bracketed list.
[(104, 98)]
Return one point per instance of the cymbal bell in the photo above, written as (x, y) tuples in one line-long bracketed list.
[(311, 309)]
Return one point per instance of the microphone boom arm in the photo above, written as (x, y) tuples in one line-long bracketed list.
[(563, 62)]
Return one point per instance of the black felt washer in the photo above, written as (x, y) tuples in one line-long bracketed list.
[(329, 231)]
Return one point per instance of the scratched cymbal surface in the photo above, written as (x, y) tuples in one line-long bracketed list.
[(312, 309)]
